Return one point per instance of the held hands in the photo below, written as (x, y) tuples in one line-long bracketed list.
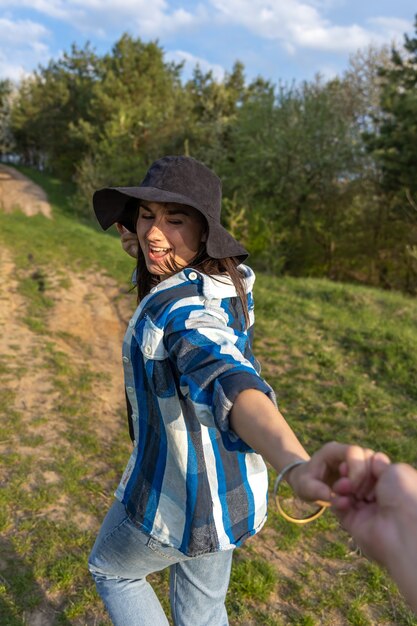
[(315, 480), (375, 501), (128, 240), (386, 519)]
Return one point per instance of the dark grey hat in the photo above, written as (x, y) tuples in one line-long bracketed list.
[(179, 179)]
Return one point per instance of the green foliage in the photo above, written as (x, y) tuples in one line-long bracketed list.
[(6, 138), (213, 108), (318, 178), (288, 166), (138, 111), (392, 144), (49, 108)]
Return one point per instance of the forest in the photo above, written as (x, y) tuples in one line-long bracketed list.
[(319, 178)]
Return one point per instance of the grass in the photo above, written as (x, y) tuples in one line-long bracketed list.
[(63, 243), (344, 365), (252, 581), (343, 360)]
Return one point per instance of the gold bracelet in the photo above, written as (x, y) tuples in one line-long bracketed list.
[(289, 518)]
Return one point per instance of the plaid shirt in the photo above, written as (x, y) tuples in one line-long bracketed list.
[(191, 482)]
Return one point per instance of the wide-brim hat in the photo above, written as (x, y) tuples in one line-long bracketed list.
[(178, 179)]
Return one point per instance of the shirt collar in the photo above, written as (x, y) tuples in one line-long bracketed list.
[(219, 287)]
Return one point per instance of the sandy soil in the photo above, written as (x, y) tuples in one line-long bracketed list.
[(91, 311), (17, 191), (85, 324)]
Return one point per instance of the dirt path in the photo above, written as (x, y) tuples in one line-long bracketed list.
[(83, 332), (90, 312), (85, 327), (17, 191)]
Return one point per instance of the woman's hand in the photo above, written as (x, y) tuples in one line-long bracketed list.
[(313, 481), (129, 241)]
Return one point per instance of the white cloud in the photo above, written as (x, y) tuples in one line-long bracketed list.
[(137, 16), (58, 9), (13, 71), (158, 25), (21, 32), (22, 42), (191, 61), (391, 28), (331, 38), (296, 25), (299, 24), (22, 47), (150, 20)]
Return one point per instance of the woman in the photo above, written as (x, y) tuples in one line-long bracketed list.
[(194, 488)]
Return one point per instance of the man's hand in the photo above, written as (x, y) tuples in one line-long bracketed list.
[(129, 241)]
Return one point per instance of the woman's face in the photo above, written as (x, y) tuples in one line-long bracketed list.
[(169, 233)]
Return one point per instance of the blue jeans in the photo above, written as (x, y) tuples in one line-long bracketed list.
[(123, 556)]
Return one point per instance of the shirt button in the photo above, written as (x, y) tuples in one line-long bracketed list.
[(130, 389), (134, 417), (154, 289), (126, 359), (148, 349), (192, 275), (131, 322)]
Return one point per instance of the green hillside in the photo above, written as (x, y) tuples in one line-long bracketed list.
[(343, 362)]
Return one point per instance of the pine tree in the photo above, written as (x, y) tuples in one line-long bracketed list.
[(395, 144)]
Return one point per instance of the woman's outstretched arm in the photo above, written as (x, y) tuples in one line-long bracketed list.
[(257, 421)]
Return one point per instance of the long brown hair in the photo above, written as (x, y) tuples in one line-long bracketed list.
[(205, 264)]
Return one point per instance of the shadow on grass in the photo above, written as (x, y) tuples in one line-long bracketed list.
[(22, 601)]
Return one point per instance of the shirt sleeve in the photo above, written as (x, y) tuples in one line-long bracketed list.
[(209, 358)]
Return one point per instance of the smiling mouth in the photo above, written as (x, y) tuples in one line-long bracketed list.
[(155, 252)]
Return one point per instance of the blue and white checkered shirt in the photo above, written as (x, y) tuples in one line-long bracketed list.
[(191, 482)]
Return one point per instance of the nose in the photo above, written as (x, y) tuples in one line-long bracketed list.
[(155, 232)]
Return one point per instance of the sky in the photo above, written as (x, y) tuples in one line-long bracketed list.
[(280, 40)]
